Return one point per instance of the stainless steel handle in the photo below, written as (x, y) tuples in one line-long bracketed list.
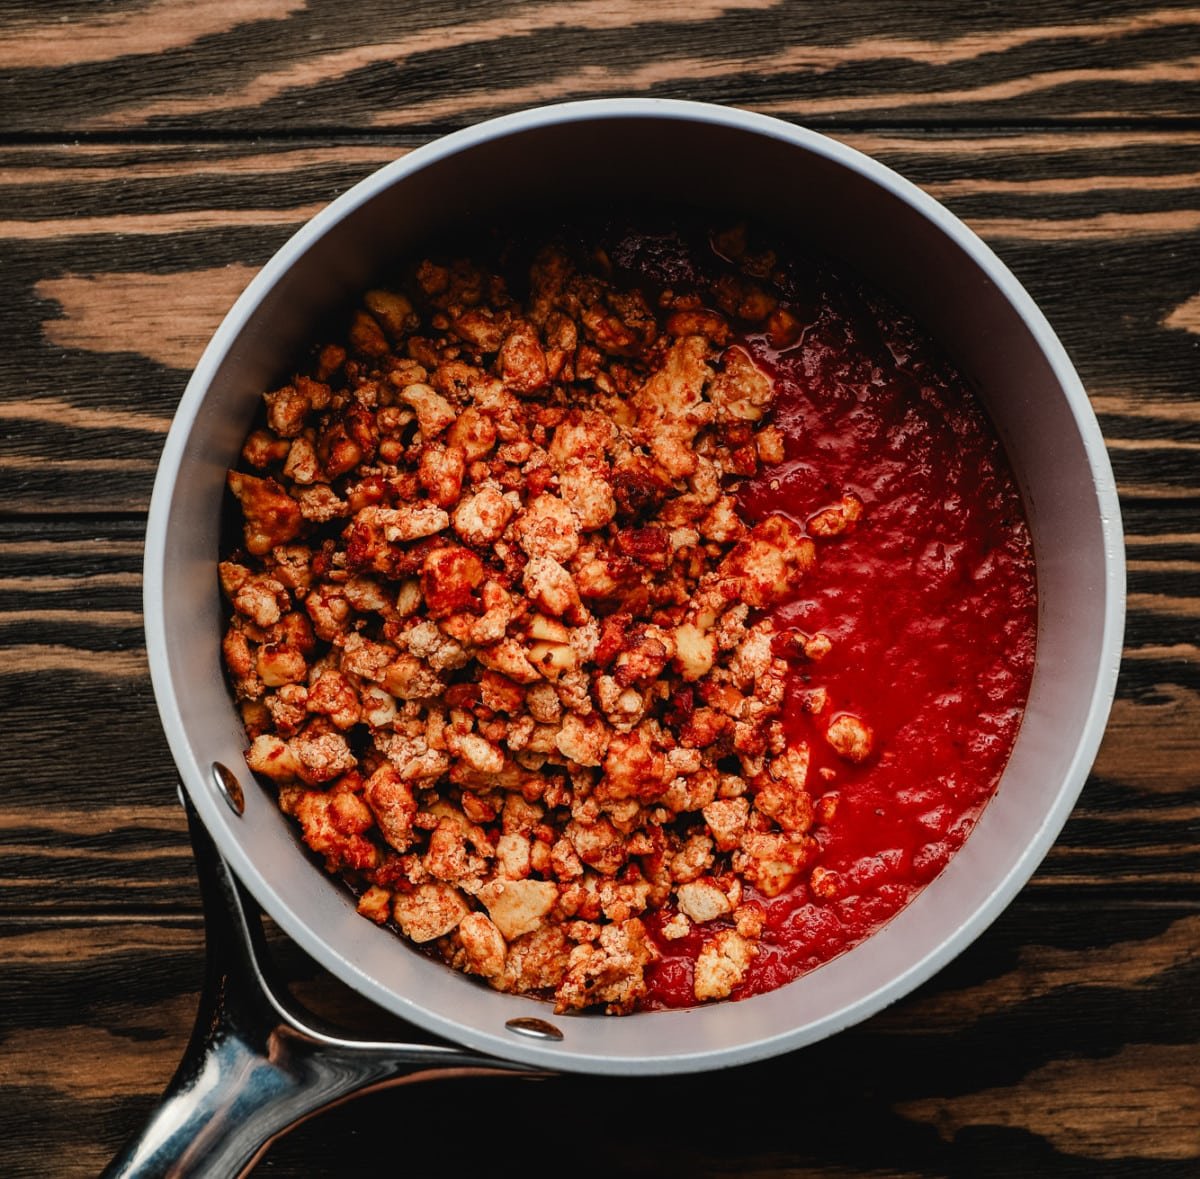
[(257, 1064)]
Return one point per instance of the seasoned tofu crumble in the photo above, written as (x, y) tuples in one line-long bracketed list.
[(500, 631)]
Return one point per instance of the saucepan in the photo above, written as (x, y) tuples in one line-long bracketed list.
[(901, 241)]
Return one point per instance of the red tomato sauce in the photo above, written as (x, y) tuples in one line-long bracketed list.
[(931, 606)]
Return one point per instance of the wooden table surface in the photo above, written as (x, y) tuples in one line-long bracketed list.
[(154, 153)]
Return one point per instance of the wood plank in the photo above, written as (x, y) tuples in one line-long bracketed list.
[(99, 352), (1135, 1086), (154, 153), (159, 27), (1172, 714), (282, 65), (114, 838), (77, 590), (120, 842), (979, 1066)]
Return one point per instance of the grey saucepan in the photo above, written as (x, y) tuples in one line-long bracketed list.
[(901, 241)]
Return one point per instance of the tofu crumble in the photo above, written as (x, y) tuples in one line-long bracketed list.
[(500, 630)]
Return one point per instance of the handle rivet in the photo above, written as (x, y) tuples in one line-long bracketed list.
[(229, 788), (536, 1029)]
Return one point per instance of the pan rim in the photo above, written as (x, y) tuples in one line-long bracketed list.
[(550, 1055)]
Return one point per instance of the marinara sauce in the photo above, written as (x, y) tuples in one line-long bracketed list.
[(930, 603)]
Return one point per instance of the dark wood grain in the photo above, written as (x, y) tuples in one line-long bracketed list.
[(122, 261), (282, 64), (154, 153), (984, 1064)]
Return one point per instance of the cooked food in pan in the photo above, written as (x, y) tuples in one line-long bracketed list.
[(630, 617)]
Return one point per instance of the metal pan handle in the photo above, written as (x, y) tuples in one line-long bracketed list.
[(256, 1064)]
